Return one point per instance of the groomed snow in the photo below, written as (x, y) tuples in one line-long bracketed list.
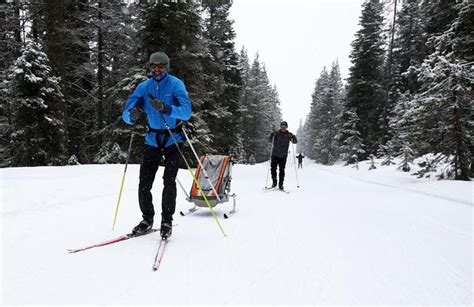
[(344, 237)]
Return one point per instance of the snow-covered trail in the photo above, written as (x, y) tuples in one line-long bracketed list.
[(339, 239)]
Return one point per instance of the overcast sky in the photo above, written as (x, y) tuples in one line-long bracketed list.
[(296, 39)]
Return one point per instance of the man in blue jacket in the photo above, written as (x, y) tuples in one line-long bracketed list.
[(161, 97)]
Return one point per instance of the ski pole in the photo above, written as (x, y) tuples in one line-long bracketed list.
[(189, 169), (184, 190), (294, 162), (269, 162), (123, 180)]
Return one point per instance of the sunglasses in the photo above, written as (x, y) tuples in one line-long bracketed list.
[(157, 65)]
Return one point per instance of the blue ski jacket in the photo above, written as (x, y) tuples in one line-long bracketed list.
[(172, 92)]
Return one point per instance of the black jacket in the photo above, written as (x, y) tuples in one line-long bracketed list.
[(281, 142), (300, 158)]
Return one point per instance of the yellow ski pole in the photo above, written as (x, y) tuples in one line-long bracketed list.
[(123, 180)]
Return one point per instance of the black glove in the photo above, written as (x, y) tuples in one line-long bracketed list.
[(158, 105), (272, 135), (134, 114), (292, 138)]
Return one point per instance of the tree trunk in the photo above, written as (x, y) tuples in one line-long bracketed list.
[(100, 75), (461, 161)]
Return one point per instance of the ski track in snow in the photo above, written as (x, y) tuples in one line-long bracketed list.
[(339, 239), (468, 202)]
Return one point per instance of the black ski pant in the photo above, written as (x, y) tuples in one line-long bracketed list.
[(280, 162), (300, 164), (151, 160)]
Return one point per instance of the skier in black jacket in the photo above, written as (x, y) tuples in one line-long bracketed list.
[(300, 158), (281, 141)]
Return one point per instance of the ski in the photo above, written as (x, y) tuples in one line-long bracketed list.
[(159, 253), (190, 211), (112, 241), (229, 214), (276, 189)]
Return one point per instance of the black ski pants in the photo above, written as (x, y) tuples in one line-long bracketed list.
[(151, 160), (280, 162)]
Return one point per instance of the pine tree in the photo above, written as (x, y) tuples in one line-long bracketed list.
[(307, 136), (252, 160), (237, 152), (372, 162), (65, 28), (39, 137), (114, 54), (125, 69), (176, 29), (463, 36), (255, 128), (365, 94), (244, 100), (387, 153), (463, 44), (389, 79), (407, 158), (324, 117), (352, 146), (300, 134), (260, 110), (409, 51), (401, 123), (443, 108), (224, 79), (437, 18), (274, 107), (316, 117), (269, 115), (10, 45), (335, 107), (93, 46)]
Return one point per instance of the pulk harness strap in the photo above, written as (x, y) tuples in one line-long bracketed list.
[(166, 132)]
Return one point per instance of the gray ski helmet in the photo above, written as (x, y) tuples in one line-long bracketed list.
[(160, 57), (283, 123)]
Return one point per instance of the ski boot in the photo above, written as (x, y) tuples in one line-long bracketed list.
[(274, 184), (143, 227), (166, 230), (280, 186)]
